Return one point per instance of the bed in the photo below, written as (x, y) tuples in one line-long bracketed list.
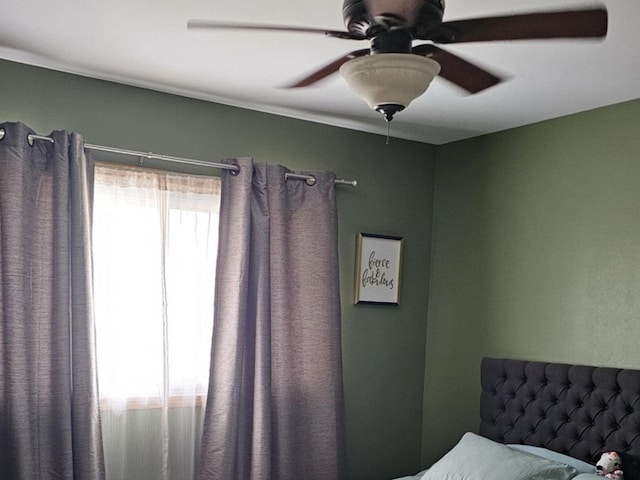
[(564, 414)]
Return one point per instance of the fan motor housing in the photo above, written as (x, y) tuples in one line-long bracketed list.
[(358, 20)]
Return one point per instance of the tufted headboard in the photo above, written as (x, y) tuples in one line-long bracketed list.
[(577, 410)]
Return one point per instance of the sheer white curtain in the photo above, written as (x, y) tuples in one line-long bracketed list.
[(155, 246)]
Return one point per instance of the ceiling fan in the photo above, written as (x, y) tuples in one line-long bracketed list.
[(393, 71)]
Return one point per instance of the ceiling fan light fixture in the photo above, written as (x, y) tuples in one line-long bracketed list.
[(389, 82)]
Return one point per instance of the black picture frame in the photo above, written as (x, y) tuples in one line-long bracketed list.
[(378, 269)]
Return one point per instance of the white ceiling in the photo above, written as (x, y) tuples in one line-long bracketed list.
[(146, 43)]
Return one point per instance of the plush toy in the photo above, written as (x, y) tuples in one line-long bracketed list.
[(610, 466)]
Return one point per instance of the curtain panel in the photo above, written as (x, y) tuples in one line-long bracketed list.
[(49, 412), (155, 244), (275, 402)]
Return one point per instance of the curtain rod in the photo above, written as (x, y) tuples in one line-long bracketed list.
[(309, 179)]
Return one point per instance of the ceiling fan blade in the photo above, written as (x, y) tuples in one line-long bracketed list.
[(327, 69), (458, 71), (542, 25), (198, 24)]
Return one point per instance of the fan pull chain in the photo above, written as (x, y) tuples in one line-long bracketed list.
[(388, 128)]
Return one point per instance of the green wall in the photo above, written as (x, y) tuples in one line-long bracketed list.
[(384, 354), (536, 255)]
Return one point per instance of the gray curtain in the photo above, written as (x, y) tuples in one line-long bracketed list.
[(49, 412), (275, 402)]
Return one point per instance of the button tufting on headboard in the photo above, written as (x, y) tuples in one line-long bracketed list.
[(577, 410)]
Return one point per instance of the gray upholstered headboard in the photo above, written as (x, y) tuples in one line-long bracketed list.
[(577, 410)]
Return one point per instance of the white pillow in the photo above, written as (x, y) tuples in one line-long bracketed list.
[(477, 458), (417, 476), (579, 465)]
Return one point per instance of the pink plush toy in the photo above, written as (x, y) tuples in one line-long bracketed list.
[(610, 466)]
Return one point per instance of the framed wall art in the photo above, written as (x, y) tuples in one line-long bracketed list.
[(378, 268)]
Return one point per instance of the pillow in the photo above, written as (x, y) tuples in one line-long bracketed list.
[(417, 477), (579, 465), (478, 458)]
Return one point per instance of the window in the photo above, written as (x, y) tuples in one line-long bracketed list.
[(154, 247)]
